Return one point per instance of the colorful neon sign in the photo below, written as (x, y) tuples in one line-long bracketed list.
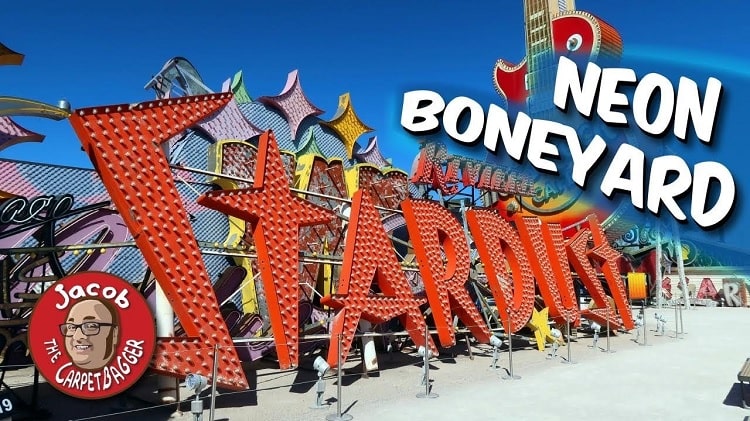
[(140, 181)]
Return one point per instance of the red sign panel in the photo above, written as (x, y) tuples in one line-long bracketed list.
[(124, 143), (438, 237)]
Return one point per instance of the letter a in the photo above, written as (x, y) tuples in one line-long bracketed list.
[(369, 256)]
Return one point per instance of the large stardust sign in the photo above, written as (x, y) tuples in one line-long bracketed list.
[(125, 144)]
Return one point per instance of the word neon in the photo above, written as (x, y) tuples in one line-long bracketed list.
[(669, 178)]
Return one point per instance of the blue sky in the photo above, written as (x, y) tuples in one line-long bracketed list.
[(97, 53)]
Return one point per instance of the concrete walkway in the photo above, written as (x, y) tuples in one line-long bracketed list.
[(693, 378), (674, 379)]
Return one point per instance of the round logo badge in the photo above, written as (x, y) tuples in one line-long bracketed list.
[(91, 335)]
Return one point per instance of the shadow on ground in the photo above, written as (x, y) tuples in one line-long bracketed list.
[(734, 396), (141, 401), (53, 405)]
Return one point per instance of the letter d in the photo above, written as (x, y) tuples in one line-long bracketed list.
[(703, 173)]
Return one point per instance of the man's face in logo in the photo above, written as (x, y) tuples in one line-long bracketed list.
[(91, 334)]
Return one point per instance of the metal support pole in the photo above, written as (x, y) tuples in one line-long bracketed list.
[(677, 244), (35, 389), (510, 375), (494, 358), (468, 346), (645, 331), (177, 413), (609, 315), (164, 328), (682, 327), (214, 373), (659, 274), (425, 379), (338, 416), (676, 325), (594, 344), (196, 408), (555, 345), (320, 389), (569, 360), (426, 361)]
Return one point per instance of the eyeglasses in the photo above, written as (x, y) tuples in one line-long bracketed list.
[(87, 328)]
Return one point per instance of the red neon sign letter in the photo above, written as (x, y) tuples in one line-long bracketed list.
[(431, 226), (276, 215), (369, 256), (124, 144)]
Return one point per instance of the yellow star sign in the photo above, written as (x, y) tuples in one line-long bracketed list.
[(539, 324), (347, 124)]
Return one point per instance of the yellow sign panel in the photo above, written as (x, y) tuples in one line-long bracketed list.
[(637, 286)]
